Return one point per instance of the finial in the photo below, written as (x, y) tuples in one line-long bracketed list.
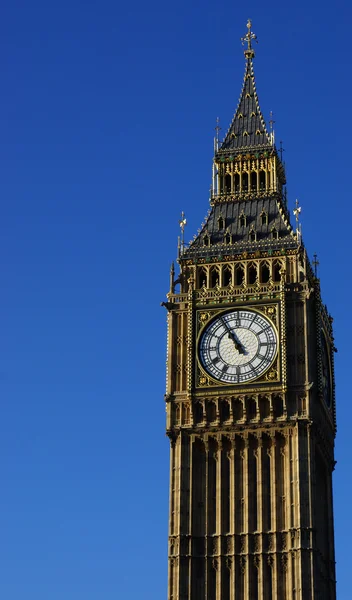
[(182, 223), (296, 212), (217, 129), (271, 123), (315, 264), (249, 52)]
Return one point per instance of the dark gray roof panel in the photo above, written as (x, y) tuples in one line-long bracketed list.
[(231, 212), (248, 128)]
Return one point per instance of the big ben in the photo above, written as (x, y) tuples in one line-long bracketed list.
[(250, 387)]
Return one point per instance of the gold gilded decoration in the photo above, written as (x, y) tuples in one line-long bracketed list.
[(204, 317), (271, 375)]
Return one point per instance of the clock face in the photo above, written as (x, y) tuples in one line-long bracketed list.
[(326, 373), (238, 346)]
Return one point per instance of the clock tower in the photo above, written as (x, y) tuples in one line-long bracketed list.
[(250, 387)]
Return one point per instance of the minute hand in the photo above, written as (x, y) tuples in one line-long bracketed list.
[(234, 338)]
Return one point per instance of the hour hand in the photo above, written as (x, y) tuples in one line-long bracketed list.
[(238, 345), (233, 337)]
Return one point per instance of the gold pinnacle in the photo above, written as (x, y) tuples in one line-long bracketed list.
[(250, 35)]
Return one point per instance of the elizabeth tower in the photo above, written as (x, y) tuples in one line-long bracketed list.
[(250, 387)]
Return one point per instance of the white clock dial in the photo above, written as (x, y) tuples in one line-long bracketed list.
[(238, 346)]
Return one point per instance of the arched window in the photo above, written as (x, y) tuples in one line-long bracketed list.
[(274, 233), (206, 240), (251, 409), (211, 412), (245, 182), (253, 181), (278, 407), (221, 223), (202, 277), (264, 407), (243, 220), (227, 184), (262, 180), (225, 410), (239, 275), (214, 277), (198, 412), (237, 182), (252, 236), (226, 277), (277, 271), (252, 274), (228, 238), (238, 410), (264, 273), (263, 218), (186, 413)]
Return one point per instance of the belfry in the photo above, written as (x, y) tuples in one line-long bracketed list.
[(250, 387)]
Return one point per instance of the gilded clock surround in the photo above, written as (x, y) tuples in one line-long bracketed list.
[(251, 514), (271, 374)]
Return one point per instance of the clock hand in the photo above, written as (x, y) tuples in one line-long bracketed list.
[(233, 337)]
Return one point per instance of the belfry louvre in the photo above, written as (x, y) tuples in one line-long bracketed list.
[(250, 387)]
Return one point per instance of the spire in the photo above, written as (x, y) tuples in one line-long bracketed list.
[(248, 128)]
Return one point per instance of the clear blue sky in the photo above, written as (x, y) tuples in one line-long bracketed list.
[(106, 124)]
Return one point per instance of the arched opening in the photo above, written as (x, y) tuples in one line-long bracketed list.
[(251, 409), (227, 184), (202, 277), (277, 272), (226, 277), (225, 411), (264, 407), (206, 240), (198, 412), (239, 275), (186, 414), (264, 273), (177, 414), (264, 218), (221, 223), (237, 182), (211, 412), (252, 274), (238, 410), (252, 236), (244, 182), (228, 238), (253, 181), (262, 180), (243, 220), (278, 407), (214, 277), (274, 233)]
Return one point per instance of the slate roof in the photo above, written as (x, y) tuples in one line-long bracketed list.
[(231, 213), (248, 118)]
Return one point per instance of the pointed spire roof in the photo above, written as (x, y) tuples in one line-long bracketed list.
[(248, 128)]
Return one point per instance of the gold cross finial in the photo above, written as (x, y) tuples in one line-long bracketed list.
[(249, 52)]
